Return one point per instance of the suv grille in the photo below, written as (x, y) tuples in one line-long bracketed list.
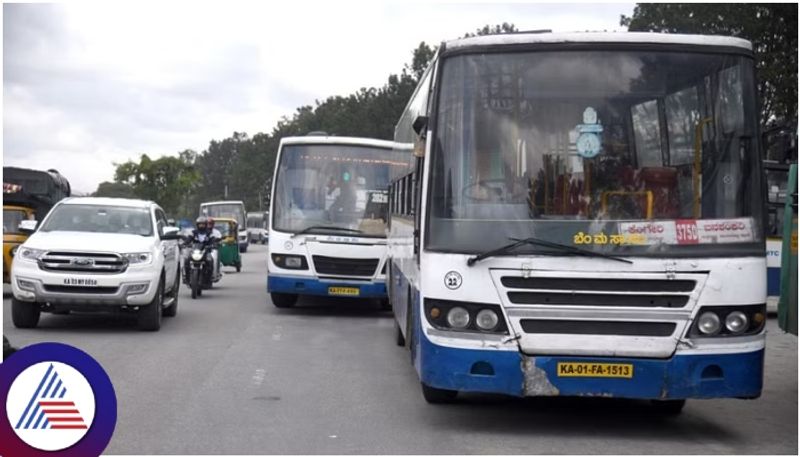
[(344, 266), (83, 262)]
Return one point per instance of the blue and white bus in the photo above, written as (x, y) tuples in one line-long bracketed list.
[(328, 212), (584, 218)]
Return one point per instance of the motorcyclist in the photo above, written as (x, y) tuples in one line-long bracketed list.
[(216, 235)]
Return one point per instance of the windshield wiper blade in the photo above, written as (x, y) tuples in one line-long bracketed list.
[(517, 242), (572, 249), (326, 227), (498, 251)]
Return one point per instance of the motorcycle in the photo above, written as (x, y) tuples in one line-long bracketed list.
[(200, 270)]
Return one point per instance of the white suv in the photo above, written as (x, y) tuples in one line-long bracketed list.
[(98, 254)]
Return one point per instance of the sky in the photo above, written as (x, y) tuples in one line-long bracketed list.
[(87, 84)]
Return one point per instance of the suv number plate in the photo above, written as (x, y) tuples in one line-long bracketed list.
[(79, 282)]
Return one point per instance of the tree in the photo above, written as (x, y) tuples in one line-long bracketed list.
[(167, 180), (772, 28), (114, 189), (493, 30)]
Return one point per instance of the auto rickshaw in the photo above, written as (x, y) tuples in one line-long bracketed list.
[(229, 246)]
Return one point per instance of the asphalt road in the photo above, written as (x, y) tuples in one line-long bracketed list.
[(232, 374)]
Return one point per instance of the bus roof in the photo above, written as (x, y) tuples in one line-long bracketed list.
[(597, 37), (340, 140), (222, 202)]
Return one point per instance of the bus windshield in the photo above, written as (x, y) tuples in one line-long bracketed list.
[(335, 186), (232, 210), (639, 153)]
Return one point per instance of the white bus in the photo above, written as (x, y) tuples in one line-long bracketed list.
[(327, 233), (233, 209), (585, 217)]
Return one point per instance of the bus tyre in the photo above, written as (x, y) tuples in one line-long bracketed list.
[(149, 316), (386, 305), (668, 407), (399, 339), (283, 300), (24, 314), (239, 267), (437, 396)]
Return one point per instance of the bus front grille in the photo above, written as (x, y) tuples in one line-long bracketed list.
[(582, 327), (605, 292), (345, 266)]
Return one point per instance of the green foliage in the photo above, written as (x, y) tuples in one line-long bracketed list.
[(114, 189), (772, 28), (493, 30), (167, 180)]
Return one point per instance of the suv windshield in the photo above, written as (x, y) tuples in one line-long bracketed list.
[(629, 152), (335, 186), (99, 219)]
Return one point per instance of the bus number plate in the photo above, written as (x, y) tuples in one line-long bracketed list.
[(348, 291), (595, 370)]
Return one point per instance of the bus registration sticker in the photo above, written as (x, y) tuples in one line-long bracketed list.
[(595, 370), (348, 291)]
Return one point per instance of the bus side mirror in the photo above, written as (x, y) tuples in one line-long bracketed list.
[(420, 124), (27, 226)]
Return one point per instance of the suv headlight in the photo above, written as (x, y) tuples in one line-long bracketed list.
[(30, 254), (138, 257)]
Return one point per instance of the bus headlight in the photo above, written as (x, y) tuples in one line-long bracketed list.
[(708, 323), (291, 262), (729, 321), (486, 319), (458, 317), (736, 322), (463, 316)]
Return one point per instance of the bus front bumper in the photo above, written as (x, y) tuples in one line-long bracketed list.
[(304, 285), (737, 375)]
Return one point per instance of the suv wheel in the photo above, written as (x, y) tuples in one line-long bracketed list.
[(172, 310), (150, 315), (24, 314)]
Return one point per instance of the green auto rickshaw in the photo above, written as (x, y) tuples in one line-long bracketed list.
[(229, 246)]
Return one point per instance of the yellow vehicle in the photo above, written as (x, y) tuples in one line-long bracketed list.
[(12, 237), (27, 195)]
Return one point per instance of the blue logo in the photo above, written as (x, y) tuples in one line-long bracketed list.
[(58, 402)]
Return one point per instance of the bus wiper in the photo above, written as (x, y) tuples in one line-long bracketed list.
[(326, 227), (538, 242)]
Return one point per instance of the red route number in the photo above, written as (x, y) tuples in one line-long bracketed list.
[(686, 231)]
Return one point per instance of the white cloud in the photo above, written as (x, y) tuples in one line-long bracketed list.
[(91, 83)]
